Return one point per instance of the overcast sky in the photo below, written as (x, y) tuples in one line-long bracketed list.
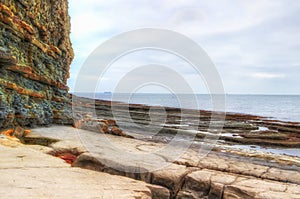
[(255, 44)]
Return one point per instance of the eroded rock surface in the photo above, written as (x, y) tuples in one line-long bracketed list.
[(27, 172), (164, 123), (217, 175), (35, 56)]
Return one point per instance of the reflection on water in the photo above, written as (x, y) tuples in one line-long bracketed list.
[(280, 151)]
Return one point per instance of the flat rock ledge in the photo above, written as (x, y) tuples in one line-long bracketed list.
[(27, 172), (148, 170)]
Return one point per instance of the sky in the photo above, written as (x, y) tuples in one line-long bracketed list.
[(254, 45)]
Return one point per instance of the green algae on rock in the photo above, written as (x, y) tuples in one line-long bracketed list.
[(35, 56)]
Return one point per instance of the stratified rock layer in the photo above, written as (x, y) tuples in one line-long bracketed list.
[(27, 173), (35, 55), (190, 175)]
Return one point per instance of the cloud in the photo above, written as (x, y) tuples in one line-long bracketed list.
[(246, 40), (268, 75)]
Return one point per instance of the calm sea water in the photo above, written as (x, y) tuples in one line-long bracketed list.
[(282, 107)]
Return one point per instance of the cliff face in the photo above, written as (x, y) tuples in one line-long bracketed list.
[(35, 55)]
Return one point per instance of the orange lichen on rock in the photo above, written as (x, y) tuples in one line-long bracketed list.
[(15, 134), (8, 132), (27, 27), (22, 26), (58, 99), (45, 80), (109, 122), (20, 90), (27, 132), (21, 69), (4, 9), (32, 93), (14, 21), (55, 49), (6, 20), (34, 62), (9, 135), (40, 45)]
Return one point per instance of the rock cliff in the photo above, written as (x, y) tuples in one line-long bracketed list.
[(35, 56)]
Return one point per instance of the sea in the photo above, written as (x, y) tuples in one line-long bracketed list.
[(278, 107)]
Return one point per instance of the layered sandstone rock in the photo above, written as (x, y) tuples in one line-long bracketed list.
[(190, 175), (28, 173), (35, 55)]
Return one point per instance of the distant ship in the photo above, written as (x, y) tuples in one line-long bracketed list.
[(107, 93)]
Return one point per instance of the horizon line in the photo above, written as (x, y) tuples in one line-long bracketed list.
[(108, 92)]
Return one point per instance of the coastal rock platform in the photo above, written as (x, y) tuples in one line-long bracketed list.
[(27, 172), (186, 175), (164, 123)]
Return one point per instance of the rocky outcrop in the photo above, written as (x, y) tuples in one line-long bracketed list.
[(217, 175), (223, 185), (35, 55), (238, 128), (99, 125), (28, 173)]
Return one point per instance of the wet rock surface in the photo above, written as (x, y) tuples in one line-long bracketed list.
[(35, 55), (190, 175), (164, 123)]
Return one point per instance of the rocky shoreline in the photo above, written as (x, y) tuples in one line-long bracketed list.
[(119, 150), (159, 166), (152, 165), (216, 175), (141, 120), (192, 175)]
